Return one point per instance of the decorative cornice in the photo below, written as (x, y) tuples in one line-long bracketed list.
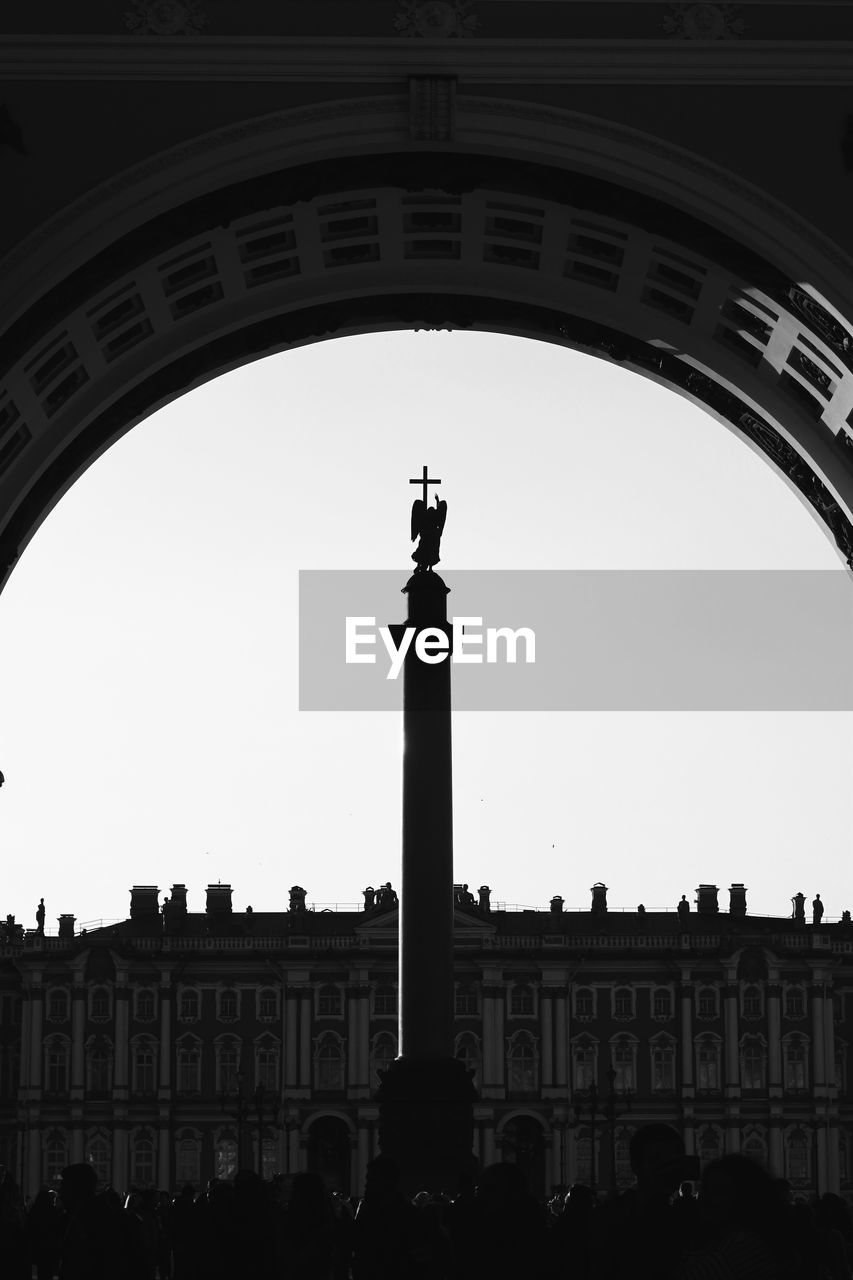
[(494, 61)]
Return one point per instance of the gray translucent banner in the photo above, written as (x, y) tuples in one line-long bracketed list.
[(604, 640)]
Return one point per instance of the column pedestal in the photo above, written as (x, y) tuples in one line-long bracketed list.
[(426, 1122)]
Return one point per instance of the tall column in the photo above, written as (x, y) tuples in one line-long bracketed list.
[(122, 1016), (686, 995), (164, 1162), (818, 1041), (364, 1039), (36, 1033), (291, 1078), (493, 1036), (774, 1041), (547, 1037), (78, 1031), (165, 1036), (426, 903), (730, 995), (561, 1040), (426, 1120), (305, 1040)]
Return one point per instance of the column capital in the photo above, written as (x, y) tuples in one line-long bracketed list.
[(493, 992)]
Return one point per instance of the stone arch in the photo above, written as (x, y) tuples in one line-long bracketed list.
[(523, 1138), (538, 222), (328, 1138)]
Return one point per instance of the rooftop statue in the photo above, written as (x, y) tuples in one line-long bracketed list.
[(427, 525)]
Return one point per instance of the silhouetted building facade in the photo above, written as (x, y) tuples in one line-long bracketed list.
[(176, 1045)]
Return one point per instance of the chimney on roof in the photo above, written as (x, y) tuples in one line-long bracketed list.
[(599, 898), (178, 900), (706, 900), (144, 902), (297, 898), (485, 898), (218, 900), (66, 926), (737, 900), (557, 904)]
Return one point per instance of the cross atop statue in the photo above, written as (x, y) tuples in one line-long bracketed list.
[(424, 480)]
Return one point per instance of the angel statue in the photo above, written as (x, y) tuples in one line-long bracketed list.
[(427, 524)]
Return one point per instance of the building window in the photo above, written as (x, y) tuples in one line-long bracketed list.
[(583, 1157), (755, 1149), (144, 1066), (795, 1006), (55, 1159), (99, 1069), (329, 1064), (584, 1003), (57, 1006), (266, 1067), (797, 1162), (466, 1002), (708, 1146), (99, 1009), (189, 1068), (752, 1064), (226, 1158), (142, 1163), (663, 1067), (584, 1056), (99, 1156), (385, 1002), (794, 1058), (269, 1159), (56, 1065), (468, 1051), (329, 1004), (707, 1003), (188, 1006), (227, 1066), (384, 1053), (522, 1065), (662, 1004), (228, 1005), (267, 1005), (145, 1005), (624, 1172), (521, 1002), (708, 1065), (623, 1003), (188, 1162), (751, 1002), (623, 1062)]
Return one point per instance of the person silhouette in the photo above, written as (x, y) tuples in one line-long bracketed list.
[(40, 913), (817, 910)]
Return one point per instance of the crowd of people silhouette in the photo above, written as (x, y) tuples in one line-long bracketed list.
[(739, 1224)]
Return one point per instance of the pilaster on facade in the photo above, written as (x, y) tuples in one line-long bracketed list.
[(494, 1002)]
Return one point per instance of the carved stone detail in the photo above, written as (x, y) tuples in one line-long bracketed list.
[(703, 22), (165, 17), (825, 324), (440, 19)]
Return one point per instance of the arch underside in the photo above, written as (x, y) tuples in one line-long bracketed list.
[(425, 240)]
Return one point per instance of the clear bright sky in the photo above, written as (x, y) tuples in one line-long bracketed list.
[(149, 730)]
